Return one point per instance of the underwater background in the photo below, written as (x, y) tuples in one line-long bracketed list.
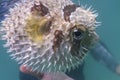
[(109, 32)]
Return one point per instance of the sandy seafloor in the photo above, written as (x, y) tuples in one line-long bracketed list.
[(109, 31)]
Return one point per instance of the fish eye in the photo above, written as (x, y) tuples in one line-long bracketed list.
[(77, 34)]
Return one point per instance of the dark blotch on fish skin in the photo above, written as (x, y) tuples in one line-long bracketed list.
[(75, 47), (76, 50), (68, 10), (40, 9), (75, 42), (57, 39)]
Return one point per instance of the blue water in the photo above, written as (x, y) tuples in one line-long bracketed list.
[(109, 15)]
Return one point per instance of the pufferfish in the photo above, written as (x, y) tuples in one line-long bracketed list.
[(49, 35)]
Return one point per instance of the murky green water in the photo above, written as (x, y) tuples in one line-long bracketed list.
[(109, 31)]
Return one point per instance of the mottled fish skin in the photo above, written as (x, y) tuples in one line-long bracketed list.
[(49, 36)]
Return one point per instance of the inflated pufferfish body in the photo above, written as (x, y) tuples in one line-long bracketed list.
[(49, 35)]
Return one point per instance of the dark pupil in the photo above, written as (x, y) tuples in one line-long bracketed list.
[(77, 34)]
